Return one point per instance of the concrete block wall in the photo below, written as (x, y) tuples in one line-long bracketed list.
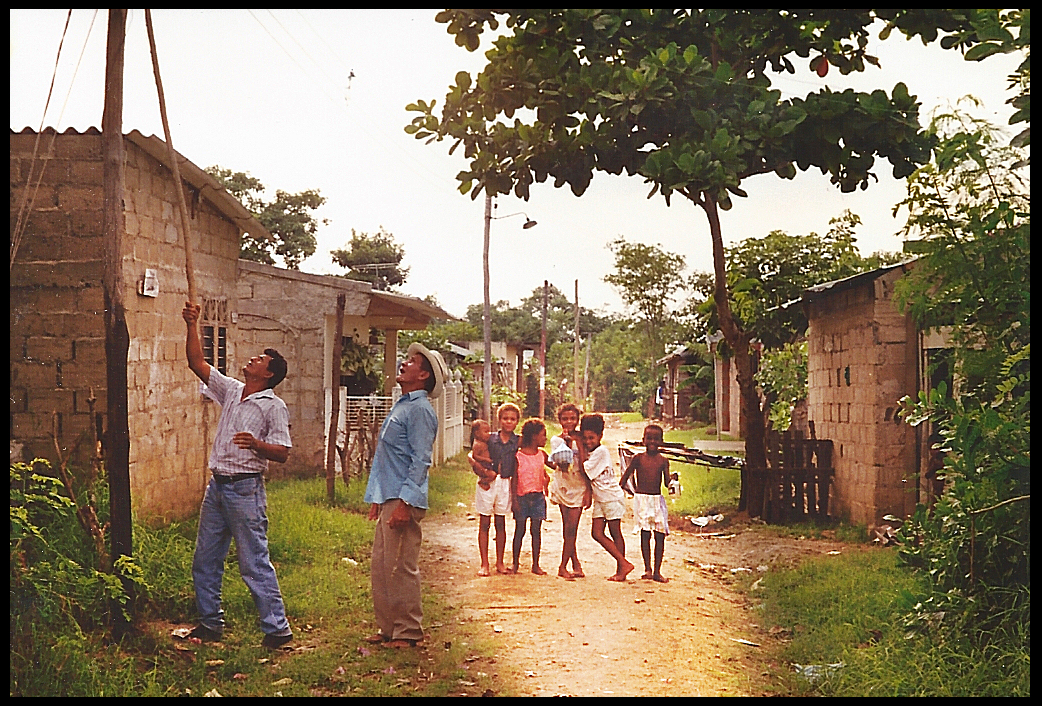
[(295, 313), (57, 315), (57, 345), (858, 334), (171, 424)]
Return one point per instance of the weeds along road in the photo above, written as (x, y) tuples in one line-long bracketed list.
[(592, 637)]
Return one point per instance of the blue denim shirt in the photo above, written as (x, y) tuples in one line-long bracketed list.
[(403, 452)]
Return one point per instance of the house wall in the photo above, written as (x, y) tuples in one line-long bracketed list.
[(861, 361), (57, 332), (57, 343), (295, 313)]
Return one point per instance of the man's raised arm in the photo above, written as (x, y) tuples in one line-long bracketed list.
[(193, 347)]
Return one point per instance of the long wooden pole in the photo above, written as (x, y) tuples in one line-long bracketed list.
[(334, 415), (117, 335), (174, 168)]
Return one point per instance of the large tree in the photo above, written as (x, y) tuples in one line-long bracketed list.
[(648, 278), (373, 257), (290, 218), (681, 98)]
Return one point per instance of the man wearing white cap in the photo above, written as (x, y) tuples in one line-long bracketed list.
[(397, 493)]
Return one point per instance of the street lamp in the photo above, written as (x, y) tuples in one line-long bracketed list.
[(487, 382)]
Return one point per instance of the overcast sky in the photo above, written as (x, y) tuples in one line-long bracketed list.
[(268, 92)]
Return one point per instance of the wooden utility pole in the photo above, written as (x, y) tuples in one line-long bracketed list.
[(182, 207), (117, 336), (487, 320), (334, 415), (542, 355), (576, 390)]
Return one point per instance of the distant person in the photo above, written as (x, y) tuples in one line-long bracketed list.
[(397, 493), (651, 469), (660, 399), (531, 485), (252, 430), (570, 489), (502, 447), (609, 504)]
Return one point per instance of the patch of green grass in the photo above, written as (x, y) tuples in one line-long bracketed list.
[(705, 490), (321, 552), (689, 436), (630, 417), (849, 608)]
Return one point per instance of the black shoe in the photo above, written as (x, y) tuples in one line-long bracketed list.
[(273, 642), (205, 634)]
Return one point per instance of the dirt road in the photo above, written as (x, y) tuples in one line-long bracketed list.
[(590, 636)]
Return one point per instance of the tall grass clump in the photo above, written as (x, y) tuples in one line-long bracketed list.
[(851, 609), (61, 602)]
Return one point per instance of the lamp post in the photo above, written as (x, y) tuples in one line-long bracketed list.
[(487, 372)]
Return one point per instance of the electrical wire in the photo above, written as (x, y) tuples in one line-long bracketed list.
[(439, 180), (26, 207)]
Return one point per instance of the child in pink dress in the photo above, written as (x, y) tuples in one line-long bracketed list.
[(531, 485)]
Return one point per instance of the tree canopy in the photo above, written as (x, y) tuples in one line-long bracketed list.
[(373, 257), (683, 99), (290, 218)]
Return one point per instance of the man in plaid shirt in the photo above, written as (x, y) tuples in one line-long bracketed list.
[(253, 429)]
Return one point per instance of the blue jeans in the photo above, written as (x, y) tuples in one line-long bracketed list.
[(236, 510)]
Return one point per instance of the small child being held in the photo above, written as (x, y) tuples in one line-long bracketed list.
[(479, 458), (649, 506)]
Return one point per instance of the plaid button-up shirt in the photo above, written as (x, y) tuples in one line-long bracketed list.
[(262, 414)]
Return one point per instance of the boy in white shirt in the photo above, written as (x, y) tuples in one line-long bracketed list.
[(609, 504)]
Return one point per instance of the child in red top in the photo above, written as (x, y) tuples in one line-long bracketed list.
[(531, 485)]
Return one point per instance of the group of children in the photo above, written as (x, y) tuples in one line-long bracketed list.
[(513, 478)]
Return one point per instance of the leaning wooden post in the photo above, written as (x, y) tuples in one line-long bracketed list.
[(182, 207), (334, 415), (117, 335)]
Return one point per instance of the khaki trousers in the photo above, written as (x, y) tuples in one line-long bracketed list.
[(395, 575)]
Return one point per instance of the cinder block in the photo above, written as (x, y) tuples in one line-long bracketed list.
[(86, 173), (34, 375), (19, 398), (84, 373), (80, 198), (79, 147), (87, 222), (30, 425), (48, 349)]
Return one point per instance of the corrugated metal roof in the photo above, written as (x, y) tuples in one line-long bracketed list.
[(839, 285)]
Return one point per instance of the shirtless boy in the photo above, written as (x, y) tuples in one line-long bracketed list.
[(649, 506)]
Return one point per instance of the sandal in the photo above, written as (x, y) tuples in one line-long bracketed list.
[(376, 639)]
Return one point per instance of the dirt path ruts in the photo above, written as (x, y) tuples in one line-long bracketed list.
[(590, 636)]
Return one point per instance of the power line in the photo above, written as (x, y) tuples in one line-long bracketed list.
[(26, 207)]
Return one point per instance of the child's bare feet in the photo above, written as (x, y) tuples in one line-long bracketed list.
[(577, 571), (565, 574), (512, 570), (500, 569), (484, 571), (537, 571), (647, 574), (660, 578), (624, 570)]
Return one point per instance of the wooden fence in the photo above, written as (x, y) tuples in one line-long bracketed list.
[(799, 476), (361, 418)]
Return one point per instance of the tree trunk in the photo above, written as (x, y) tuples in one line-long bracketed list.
[(754, 471)]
